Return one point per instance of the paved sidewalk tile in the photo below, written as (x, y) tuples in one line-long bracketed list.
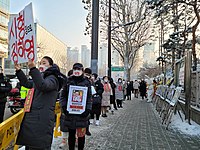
[(137, 127)]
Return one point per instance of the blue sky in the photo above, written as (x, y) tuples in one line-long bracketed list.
[(63, 18)]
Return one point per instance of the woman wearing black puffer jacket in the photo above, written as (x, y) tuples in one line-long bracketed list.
[(36, 131), (76, 122)]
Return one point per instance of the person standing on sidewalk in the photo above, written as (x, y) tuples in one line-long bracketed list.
[(36, 131), (136, 88), (106, 95), (112, 97), (143, 89), (96, 102), (76, 123), (5, 88), (87, 74), (124, 89), (129, 89), (119, 93)]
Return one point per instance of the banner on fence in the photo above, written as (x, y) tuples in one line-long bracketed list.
[(22, 37), (9, 130)]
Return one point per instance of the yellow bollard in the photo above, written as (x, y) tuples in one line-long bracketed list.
[(58, 114)]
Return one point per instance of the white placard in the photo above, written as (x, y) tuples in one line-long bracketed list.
[(77, 99), (22, 39)]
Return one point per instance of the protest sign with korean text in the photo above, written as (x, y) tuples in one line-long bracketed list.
[(77, 99), (22, 38)]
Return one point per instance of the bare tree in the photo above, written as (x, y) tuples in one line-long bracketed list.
[(127, 39)]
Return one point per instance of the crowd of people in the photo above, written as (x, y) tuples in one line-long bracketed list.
[(49, 84)]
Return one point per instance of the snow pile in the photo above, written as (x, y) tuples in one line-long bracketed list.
[(184, 126)]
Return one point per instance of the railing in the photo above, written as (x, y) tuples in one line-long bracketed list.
[(9, 128)]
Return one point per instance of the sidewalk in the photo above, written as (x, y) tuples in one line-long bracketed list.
[(136, 127)]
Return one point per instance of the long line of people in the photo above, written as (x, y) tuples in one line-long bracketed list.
[(48, 84)]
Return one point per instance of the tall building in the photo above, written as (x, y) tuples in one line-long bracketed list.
[(103, 59), (85, 56), (72, 57), (4, 18), (149, 53)]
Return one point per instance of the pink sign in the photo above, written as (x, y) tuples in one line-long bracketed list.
[(22, 41)]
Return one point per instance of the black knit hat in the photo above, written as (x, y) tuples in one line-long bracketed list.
[(77, 66), (88, 71), (95, 75)]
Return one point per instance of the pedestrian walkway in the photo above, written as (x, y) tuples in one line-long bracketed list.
[(137, 127)]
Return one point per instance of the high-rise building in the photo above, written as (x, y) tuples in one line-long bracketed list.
[(85, 56), (149, 53), (103, 59), (4, 18), (72, 57)]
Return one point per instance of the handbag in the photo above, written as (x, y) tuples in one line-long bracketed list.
[(96, 99)]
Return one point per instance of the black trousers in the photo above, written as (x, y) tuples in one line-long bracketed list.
[(119, 103), (72, 140), (97, 116), (2, 110)]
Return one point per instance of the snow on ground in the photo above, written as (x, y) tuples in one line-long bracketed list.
[(184, 126), (176, 124)]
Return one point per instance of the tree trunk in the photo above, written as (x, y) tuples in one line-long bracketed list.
[(126, 68)]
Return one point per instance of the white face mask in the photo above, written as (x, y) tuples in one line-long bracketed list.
[(105, 80), (42, 68), (77, 73)]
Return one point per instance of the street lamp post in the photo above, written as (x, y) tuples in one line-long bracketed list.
[(95, 30), (109, 40)]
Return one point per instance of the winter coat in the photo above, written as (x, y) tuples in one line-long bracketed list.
[(129, 88), (143, 88), (37, 126), (119, 91), (98, 87), (106, 94), (74, 121), (136, 85), (5, 88), (96, 108), (112, 97)]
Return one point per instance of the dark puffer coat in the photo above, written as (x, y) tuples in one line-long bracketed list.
[(5, 88), (37, 126), (74, 121)]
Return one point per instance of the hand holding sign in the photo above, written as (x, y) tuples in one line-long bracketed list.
[(17, 66), (31, 64)]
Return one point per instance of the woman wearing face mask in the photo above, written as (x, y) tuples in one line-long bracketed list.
[(36, 131), (106, 96), (119, 93), (76, 122)]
